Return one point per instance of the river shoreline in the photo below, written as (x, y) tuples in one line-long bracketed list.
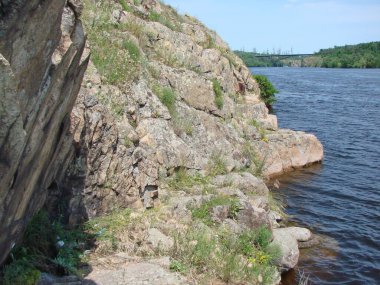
[(338, 198)]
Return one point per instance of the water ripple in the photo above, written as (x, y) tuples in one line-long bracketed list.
[(341, 198)]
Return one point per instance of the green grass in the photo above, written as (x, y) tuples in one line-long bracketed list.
[(167, 97), (125, 6), (107, 228), (219, 101), (257, 164), (217, 164), (132, 49), (182, 180), (261, 130), (164, 20), (222, 255), (20, 272), (203, 212), (47, 246), (116, 59)]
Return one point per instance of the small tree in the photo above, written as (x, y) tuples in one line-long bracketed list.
[(267, 90)]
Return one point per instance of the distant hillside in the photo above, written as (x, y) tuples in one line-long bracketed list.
[(365, 55)]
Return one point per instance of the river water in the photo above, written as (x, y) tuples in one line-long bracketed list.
[(339, 199)]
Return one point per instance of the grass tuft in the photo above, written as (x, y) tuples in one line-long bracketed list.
[(219, 101), (234, 259)]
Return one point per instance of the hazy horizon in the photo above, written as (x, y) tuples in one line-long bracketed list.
[(303, 26)]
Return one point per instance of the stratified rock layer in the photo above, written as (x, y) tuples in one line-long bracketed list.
[(41, 69)]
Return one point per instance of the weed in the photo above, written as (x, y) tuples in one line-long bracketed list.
[(203, 213), (125, 6), (262, 131), (167, 97), (219, 101), (236, 259), (177, 266), (156, 17), (47, 246), (132, 49), (110, 55), (256, 164), (217, 165), (106, 227), (303, 279), (183, 181), (20, 272)]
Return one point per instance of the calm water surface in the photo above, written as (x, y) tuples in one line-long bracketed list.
[(340, 198)]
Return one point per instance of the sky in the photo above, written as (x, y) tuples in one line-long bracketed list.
[(303, 26)]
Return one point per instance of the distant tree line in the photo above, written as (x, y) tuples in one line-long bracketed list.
[(365, 55)]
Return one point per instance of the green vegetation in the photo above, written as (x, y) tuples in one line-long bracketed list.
[(182, 180), (167, 97), (250, 59), (256, 163), (203, 213), (20, 272), (108, 228), (262, 131), (164, 20), (234, 259), (365, 55), (267, 90), (219, 101), (217, 164), (116, 58), (47, 246)]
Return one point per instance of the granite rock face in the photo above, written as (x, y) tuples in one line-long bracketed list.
[(128, 139), (41, 69)]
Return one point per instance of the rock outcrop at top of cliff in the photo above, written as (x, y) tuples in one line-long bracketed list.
[(163, 92), (41, 70)]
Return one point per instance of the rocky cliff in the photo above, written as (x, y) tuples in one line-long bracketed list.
[(41, 70), (167, 117), (164, 92)]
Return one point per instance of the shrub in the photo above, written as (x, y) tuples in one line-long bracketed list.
[(20, 272), (218, 93), (267, 90), (46, 246)]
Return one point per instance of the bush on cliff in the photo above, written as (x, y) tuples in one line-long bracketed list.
[(267, 90)]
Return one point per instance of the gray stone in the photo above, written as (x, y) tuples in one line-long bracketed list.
[(158, 240)]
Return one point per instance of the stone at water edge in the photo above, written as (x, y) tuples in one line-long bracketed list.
[(287, 239)]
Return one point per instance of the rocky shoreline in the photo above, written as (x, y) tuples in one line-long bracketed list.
[(167, 122)]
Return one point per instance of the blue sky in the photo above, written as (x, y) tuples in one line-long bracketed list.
[(302, 25)]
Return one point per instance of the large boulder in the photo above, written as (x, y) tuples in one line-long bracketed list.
[(41, 70)]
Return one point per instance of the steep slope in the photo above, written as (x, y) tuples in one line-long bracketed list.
[(40, 75), (164, 92)]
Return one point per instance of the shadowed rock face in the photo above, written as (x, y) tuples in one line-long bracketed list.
[(41, 69)]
